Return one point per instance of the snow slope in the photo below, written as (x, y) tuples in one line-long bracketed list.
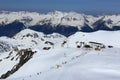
[(105, 37), (75, 64), (62, 58)]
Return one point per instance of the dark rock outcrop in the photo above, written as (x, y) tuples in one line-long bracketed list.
[(24, 55)]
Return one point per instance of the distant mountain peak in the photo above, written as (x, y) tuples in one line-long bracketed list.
[(65, 23)]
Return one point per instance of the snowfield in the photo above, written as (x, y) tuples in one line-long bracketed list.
[(80, 65), (105, 37), (81, 56)]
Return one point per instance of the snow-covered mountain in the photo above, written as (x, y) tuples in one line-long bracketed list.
[(65, 23), (56, 46), (52, 18), (32, 55)]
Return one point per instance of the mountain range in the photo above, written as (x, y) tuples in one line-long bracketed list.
[(65, 23)]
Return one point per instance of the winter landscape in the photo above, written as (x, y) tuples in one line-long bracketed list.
[(59, 45)]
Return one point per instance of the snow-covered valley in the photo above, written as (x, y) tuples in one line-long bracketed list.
[(31, 55)]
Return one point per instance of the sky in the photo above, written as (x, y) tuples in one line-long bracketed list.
[(83, 6)]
